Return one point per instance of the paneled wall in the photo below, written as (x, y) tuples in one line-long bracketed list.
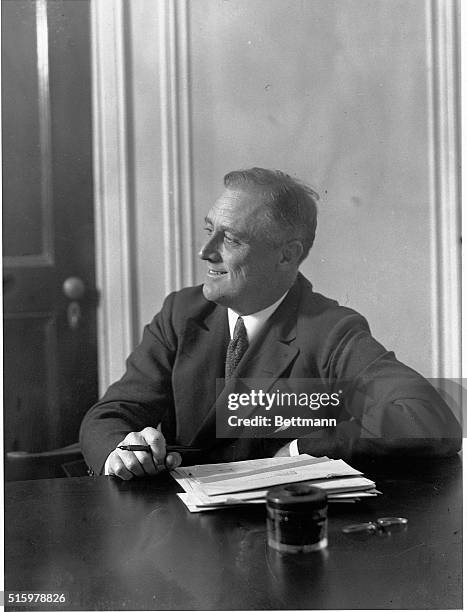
[(356, 97)]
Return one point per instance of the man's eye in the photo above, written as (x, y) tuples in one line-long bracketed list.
[(230, 239), (208, 230)]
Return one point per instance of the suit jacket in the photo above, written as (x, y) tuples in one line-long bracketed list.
[(171, 380)]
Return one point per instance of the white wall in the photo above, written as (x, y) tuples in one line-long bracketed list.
[(337, 92)]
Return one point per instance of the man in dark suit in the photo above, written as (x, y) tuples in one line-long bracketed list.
[(256, 316)]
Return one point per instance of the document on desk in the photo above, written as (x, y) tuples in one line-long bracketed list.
[(260, 476), (240, 482)]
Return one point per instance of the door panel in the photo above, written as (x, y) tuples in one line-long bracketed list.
[(50, 368), (23, 138)]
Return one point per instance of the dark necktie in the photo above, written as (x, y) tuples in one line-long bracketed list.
[(237, 347)]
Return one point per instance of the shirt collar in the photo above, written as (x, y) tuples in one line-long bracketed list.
[(255, 322)]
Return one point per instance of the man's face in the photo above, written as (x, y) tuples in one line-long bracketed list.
[(243, 271)]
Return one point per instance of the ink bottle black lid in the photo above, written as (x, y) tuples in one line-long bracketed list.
[(297, 518)]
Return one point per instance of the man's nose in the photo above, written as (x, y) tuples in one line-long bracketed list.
[(210, 250)]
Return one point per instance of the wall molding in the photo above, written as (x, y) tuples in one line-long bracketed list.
[(444, 129), (112, 212), (176, 146), (48, 252), (115, 219)]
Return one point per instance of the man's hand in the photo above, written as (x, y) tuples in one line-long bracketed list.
[(128, 464)]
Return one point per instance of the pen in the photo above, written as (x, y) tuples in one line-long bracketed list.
[(169, 448), (183, 450)]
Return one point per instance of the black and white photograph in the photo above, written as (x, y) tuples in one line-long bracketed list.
[(232, 332)]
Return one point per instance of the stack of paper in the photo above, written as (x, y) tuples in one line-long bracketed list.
[(218, 485)]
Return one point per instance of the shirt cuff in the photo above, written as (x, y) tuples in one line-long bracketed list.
[(293, 448)]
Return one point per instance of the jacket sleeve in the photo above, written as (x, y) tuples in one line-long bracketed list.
[(141, 398), (388, 408)]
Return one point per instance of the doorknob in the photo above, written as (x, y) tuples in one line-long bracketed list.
[(74, 289)]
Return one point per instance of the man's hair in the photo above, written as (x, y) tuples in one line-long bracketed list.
[(290, 205)]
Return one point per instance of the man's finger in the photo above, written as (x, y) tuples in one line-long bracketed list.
[(173, 460), (131, 462), (155, 439), (117, 468), (147, 462)]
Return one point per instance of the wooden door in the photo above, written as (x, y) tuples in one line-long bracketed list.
[(50, 358)]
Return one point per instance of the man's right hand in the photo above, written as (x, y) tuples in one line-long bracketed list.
[(128, 464)]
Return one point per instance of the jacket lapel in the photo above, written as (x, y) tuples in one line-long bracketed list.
[(201, 361)]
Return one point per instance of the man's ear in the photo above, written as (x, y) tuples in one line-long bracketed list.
[(292, 251)]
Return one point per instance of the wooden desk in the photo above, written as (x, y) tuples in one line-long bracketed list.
[(109, 544)]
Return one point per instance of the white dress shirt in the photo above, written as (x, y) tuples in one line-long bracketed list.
[(255, 322)]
